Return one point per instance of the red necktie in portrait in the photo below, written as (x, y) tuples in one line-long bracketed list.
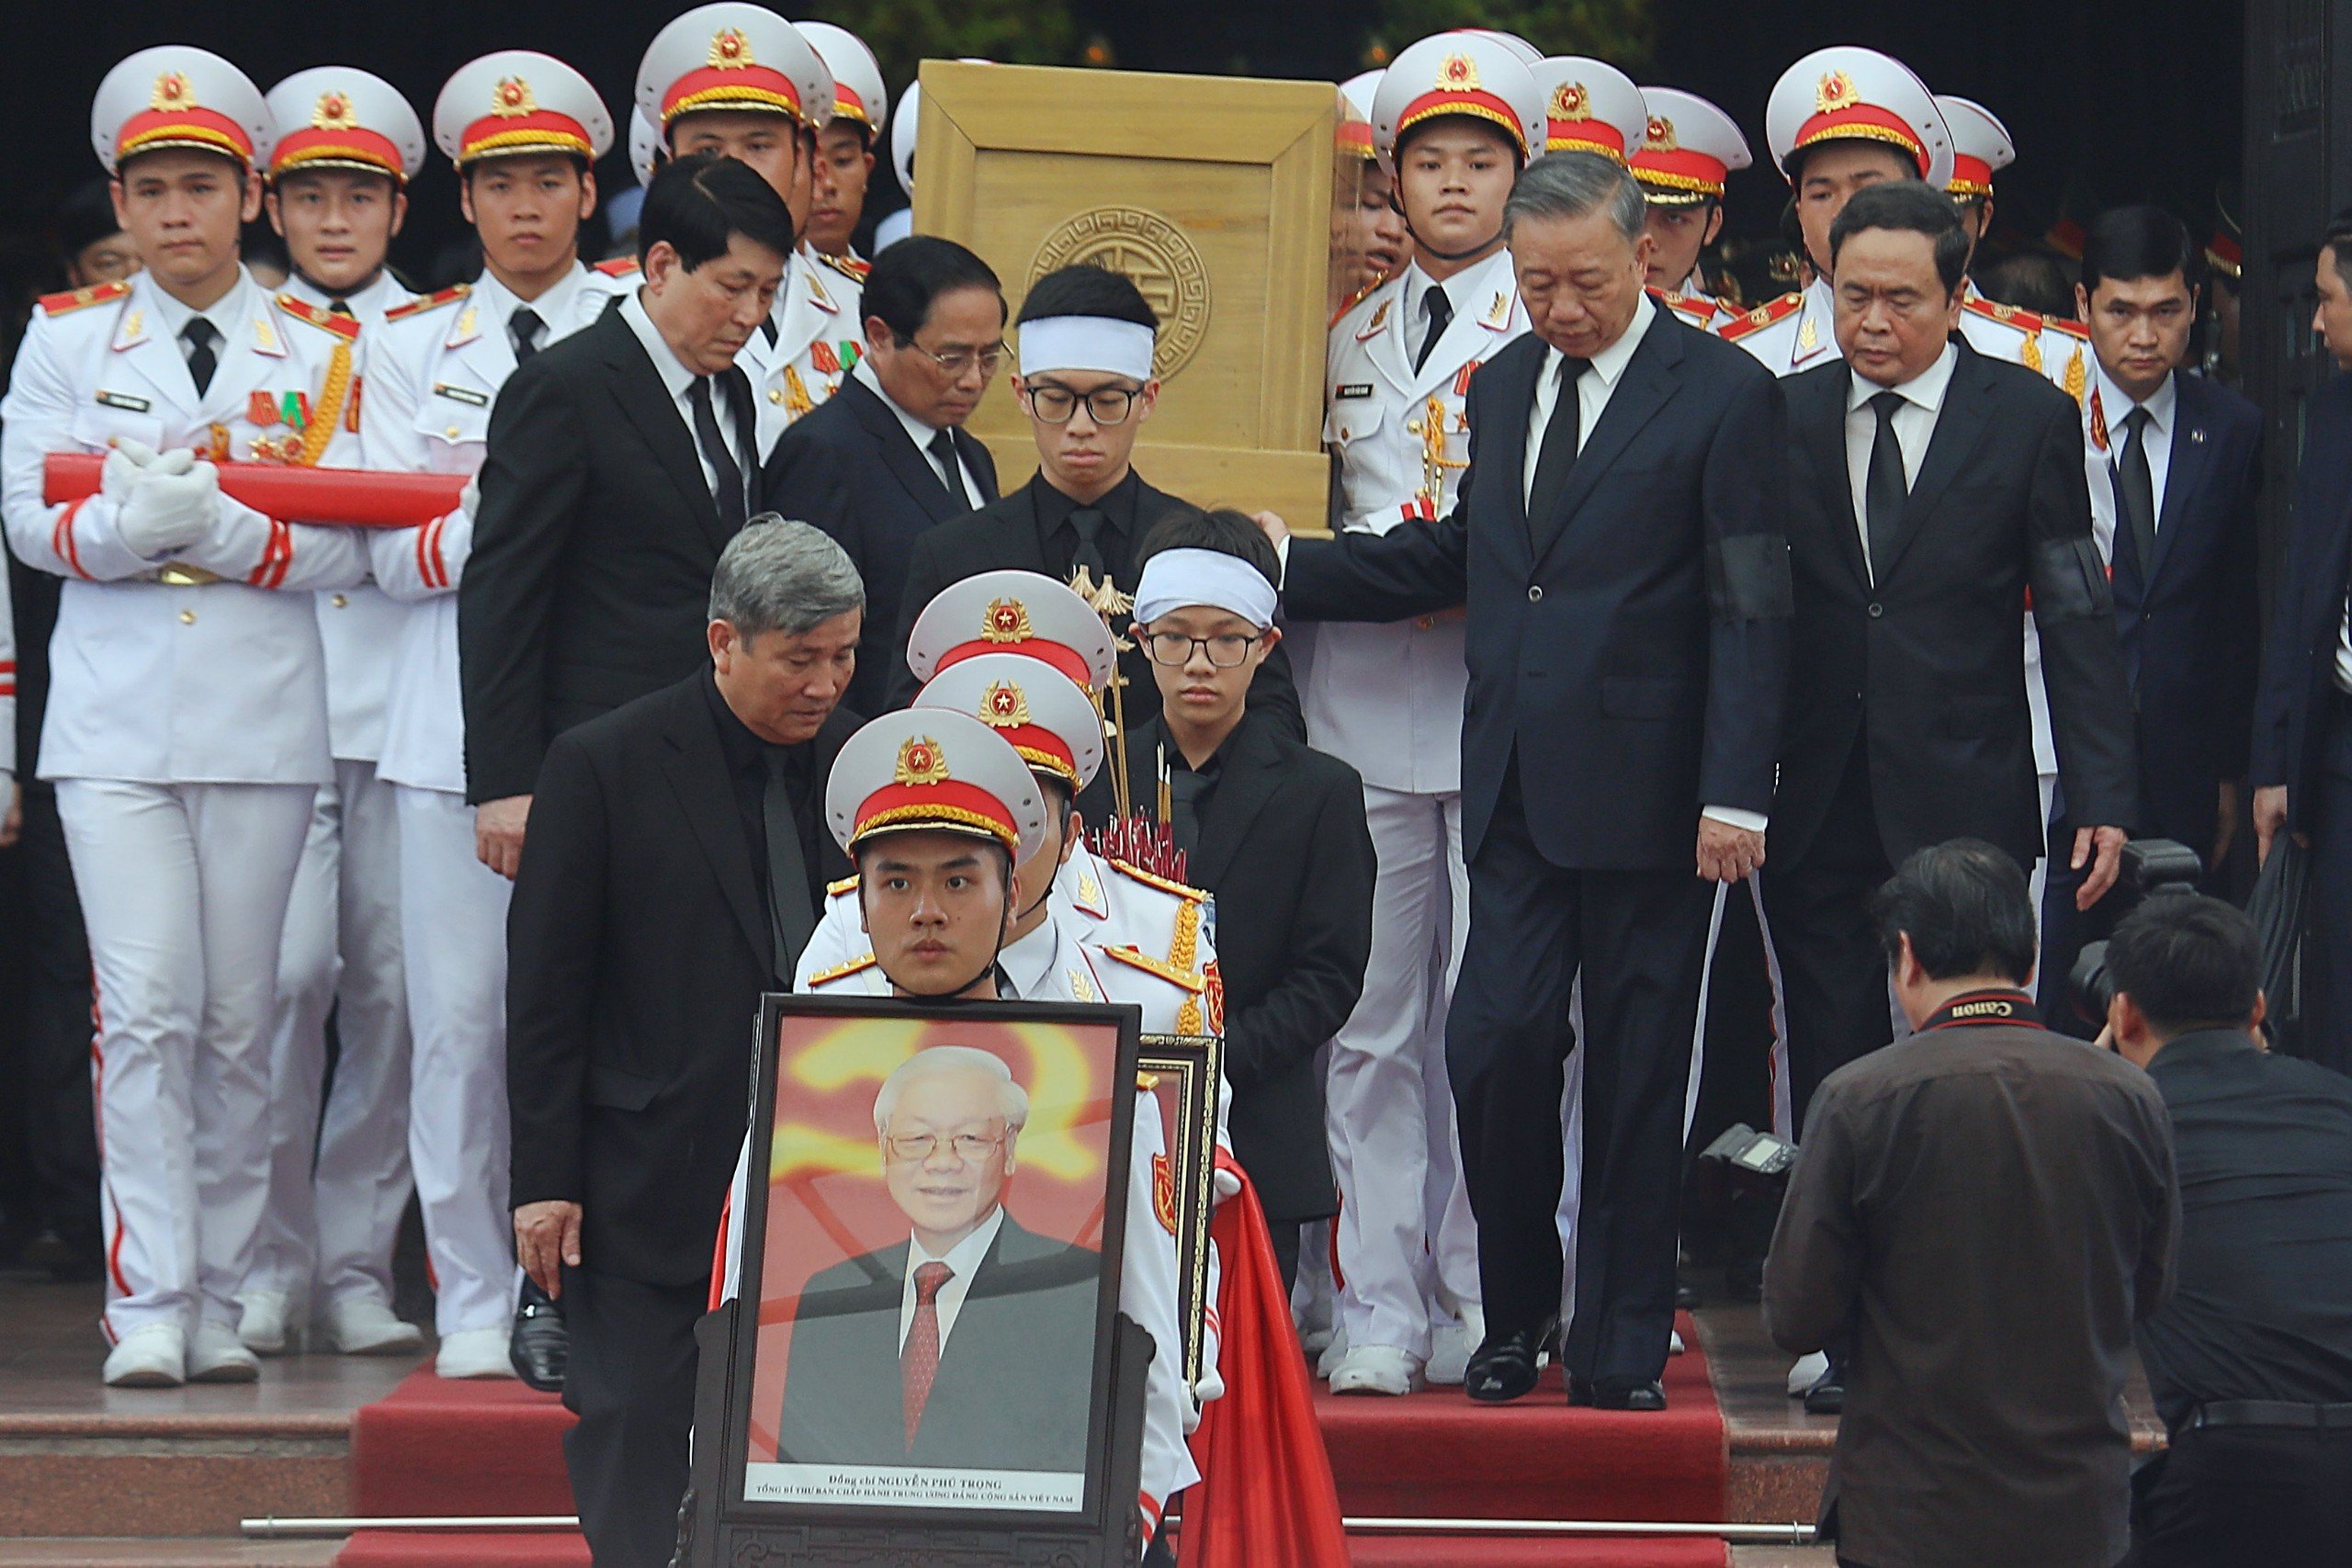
[(919, 1362)]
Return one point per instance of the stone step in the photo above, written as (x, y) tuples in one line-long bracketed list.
[(180, 1475), (162, 1552)]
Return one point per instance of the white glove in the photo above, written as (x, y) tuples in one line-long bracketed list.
[(469, 498), (124, 461), (1223, 1184), (171, 505)]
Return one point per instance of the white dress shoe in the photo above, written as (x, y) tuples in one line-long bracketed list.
[(1334, 1352), (215, 1354), (473, 1353), (1453, 1345), (366, 1326), (1674, 1346), (1806, 1372), (153, 1357), (1377, 1368), (261, 1322)]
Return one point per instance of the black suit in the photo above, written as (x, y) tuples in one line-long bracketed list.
[(1284, 846), (638, 948), (2302, 733), (1011, 535), (1015, 1374), (589, 584), (1626, 669), (1907, 720), (851, 468)]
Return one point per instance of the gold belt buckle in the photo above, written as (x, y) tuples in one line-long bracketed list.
[(180, 574)]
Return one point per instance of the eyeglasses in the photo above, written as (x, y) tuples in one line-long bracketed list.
[(955, 361), (1105, 405), (912, 1148), (1227, 650)]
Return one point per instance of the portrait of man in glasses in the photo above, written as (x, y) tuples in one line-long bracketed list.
[(968, 1346)]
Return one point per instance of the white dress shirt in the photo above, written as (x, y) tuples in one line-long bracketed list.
[(1593, 390), (234, 309), (962, 1261), (679, 381), (1914, 426), (495, 305), (2164, 406), (1418, 287), (918, 432)]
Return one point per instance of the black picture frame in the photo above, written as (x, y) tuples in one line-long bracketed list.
[(1194, 1061), (719, 1524)]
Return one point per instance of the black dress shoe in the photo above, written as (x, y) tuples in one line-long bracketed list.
[(1503, 1367), (1828, 1395), (539, 1344), (1619, 1393), (1579, 1390)]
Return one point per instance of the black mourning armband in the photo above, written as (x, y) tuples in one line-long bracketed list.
[(1747, 578), (2069, 581)]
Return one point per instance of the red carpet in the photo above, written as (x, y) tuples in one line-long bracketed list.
[(494, 1446)]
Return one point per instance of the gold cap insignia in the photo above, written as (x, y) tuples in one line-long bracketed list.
[(511, 98), (172, 92), (334, 112), (921, 762), (1659, 138), (1004, 705), (1571, 101), (1836, 92), (729, 50), (1007, 621), (1459, 72)]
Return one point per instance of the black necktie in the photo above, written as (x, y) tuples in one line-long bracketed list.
[(767, 330), (2135, 489), (1558, 453), (1089, 521), (1440, 310), (1886, 492), (524, 326), (340, 308), (942, 457), (791, 916), (1186, 792), (728, 490), (200, 335)]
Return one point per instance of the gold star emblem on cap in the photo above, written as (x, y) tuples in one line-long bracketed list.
[(729, 50), (1007, 621), (1836, 92), (172, 92), (1004, 705), (1659, 138), (332, 113), (1458, 71), (1571, 101), (921, 762), (511, 98)]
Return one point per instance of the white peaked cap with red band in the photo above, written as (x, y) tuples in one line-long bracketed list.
[(1466, 73), (1012, 611), (339, 117), (1980, 146), (1355, 112), (1037, 707), (1589, 106), (644, 147), (517, 103), (928, 770), (733, 56), (1690, 150), (175, 94), (859, 92), (1848, 94)]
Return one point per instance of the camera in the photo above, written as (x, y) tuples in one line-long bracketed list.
[(2151, 868), (1749, 1159)]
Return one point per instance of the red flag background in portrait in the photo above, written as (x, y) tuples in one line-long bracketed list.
[(827, 1202)]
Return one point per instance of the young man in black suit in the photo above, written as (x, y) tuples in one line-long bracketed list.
[(2174, 461), (1618, 542), (620, 462), (886, 459), (1930, 488), (1086, 383), (677, 861), (1277, 831)]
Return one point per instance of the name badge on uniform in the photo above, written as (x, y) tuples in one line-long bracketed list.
[(125, 401), (1352, 390), (466, 395)]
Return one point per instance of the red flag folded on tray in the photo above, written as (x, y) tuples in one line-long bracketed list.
[(1266, 1494), (359, 498)]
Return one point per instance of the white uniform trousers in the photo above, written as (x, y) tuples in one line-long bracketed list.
[(184, 890), (338, 1182), (452, 927), (1406, 1246)]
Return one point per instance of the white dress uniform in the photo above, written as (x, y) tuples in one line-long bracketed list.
[(439, 369), (339, 1173), (186, 727), (1685, 157), (817, 319)]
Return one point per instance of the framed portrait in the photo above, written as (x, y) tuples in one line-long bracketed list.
[(1185, 1069), (926, 1336)]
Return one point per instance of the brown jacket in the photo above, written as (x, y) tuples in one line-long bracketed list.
[(1980, 1214)]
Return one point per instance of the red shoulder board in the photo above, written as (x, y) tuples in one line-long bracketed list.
[(1358, 298), (75, 298), (1700, 312), (619, 266), (2008, 315), (1764, 315), (343, 327), (2066, 328), (848, 266), (424, 302)]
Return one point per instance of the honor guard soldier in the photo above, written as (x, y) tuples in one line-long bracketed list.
[(1368, 231), (1684, 164), (1456, 115), (845, 145), (1838, 120), (938, 809), (523, 130), (738, 79), (345, 145), (186, 727), (1981, 147)]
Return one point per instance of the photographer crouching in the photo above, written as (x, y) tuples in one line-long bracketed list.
[(2250, 1360)]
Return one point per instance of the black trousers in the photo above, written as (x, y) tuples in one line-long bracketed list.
[(2221, 1496), (1639, 938), (631, 1380), (2327, 907), (1833, 976)]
